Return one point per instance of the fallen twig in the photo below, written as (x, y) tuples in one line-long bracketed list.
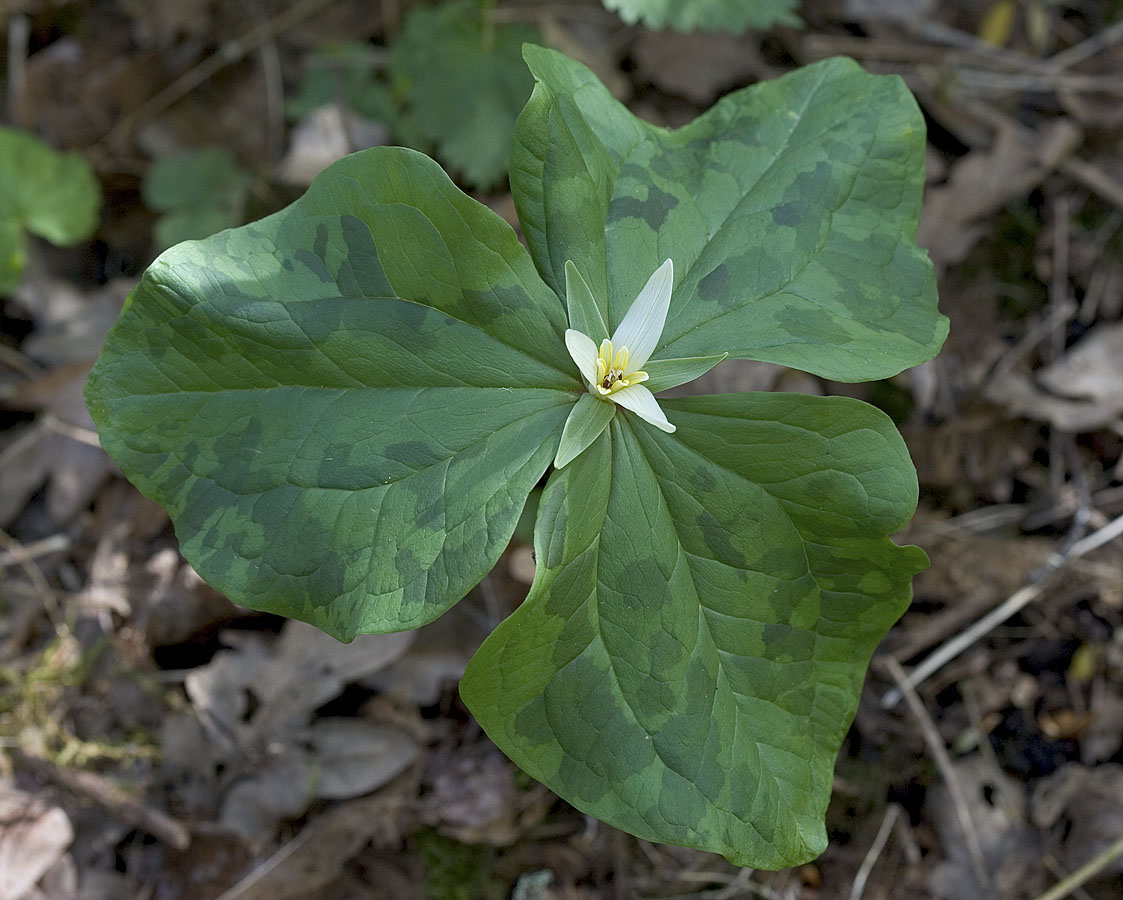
[(228, 54), (103, 792), (1013, 604), (878, 845), (1085, 873), (939, 754)]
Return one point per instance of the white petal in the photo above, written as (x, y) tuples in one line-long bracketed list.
[(644, 320), (584, 353), (642, 402)]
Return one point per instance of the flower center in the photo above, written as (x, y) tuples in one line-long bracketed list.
[(612, 370)]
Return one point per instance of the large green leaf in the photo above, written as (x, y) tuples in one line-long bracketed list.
[(50, 194), (345, 405), (706, 603), (789, 209), (724, 15)]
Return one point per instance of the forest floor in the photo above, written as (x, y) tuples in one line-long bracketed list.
[(149, 727)]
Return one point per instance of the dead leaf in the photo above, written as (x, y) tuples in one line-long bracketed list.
[(434, 661), (161, 23), (957, 214), (1091, 370), (281, 789), (1011, 852), (75, 90), (353, 757), (215, 859), (70, 327), (1085, 808), (474, 798), (1081, 392), (696, 65), (308, 667), (218, 692), (315, 857), (33, 837), (255, 703), (171, 602), (326, 134), (521, 564)]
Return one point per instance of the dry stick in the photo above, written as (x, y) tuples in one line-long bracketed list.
[(19, 31), (274, 88), (35, 575), (1085, 873), (105, 793), (985, 80), (21, 553), (1094, 178), (1016, 601), (228, 54), (1058, 284), (1087, 48), (83, 435), (878, 845), (943, 762)]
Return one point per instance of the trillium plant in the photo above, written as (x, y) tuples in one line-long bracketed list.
[(345, 406)]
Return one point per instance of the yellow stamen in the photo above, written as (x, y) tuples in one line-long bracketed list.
[(612, 370)]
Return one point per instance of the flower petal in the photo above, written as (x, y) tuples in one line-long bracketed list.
[(642, 402), (584, 353), (643, 322)]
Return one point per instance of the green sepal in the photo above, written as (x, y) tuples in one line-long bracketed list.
[(588, 418), (584, 313), (664, 374)]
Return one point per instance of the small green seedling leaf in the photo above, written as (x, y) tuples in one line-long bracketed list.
[(346, 74), (198, 192), (465, 83), (50, 194), (705, 606), (706, 15)]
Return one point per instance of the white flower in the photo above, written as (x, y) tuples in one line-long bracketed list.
[(614, 371)]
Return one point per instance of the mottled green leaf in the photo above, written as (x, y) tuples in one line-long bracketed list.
[(50, 194), (345, 405), (466, 82), (789, 209), (705, 606), (710, 15)]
